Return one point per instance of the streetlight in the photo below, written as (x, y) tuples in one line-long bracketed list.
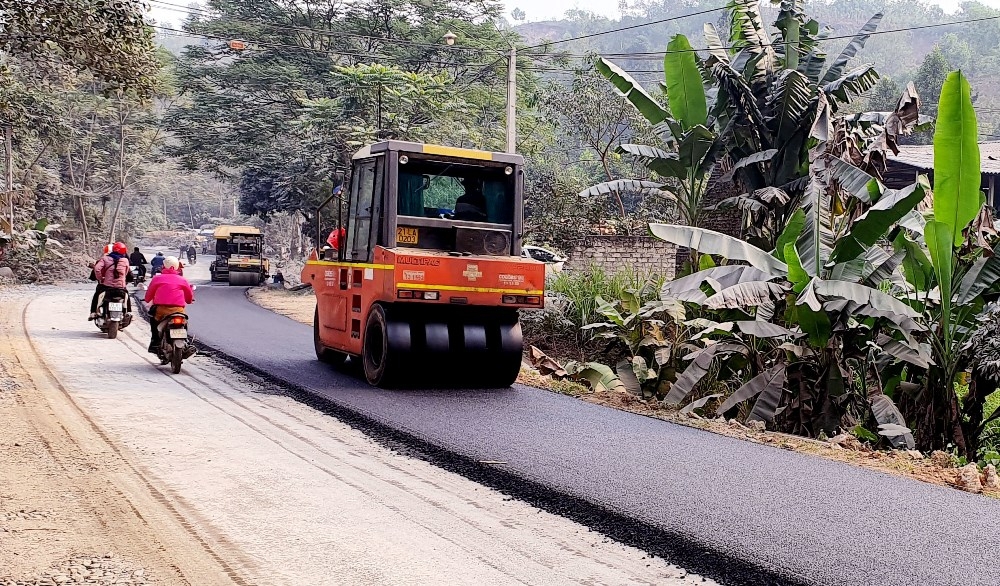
[(450, 38)]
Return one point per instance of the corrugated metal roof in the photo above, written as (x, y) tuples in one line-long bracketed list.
[(922, 157)]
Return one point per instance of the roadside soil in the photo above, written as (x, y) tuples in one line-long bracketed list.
[(300, 305), (111, 464)]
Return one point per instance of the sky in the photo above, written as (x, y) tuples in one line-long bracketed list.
[(535, 9)]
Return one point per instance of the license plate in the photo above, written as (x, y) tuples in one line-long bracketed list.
[(406, 235), (114, 306), (179, 333)]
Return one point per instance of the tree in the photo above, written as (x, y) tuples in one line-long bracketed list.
[(310, 74), (884, 95), (108, 40), (930, 78)]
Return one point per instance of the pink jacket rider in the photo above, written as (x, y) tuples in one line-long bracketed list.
[(104, 270), (169, 288)]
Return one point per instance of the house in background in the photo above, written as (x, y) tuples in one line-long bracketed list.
[(913, 160)]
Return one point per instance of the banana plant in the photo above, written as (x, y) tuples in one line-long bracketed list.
[(773, 89), (690, 145), (953, 272)]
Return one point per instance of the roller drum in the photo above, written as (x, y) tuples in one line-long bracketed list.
[(243, 279)]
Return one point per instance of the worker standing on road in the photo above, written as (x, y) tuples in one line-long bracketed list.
[(167, 293)]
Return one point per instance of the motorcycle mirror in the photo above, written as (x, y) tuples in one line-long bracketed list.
[(194, 287)]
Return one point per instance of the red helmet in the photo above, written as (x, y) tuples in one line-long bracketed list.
[(120, 248), (107, 248)]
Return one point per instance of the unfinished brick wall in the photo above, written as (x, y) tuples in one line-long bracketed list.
[(644, 254)]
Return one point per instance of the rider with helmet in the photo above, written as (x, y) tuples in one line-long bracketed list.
[(167, 293), (156, 265), (110, 272)]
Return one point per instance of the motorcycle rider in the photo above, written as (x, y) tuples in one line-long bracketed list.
[(137, 259), (167, 293), (192, 254), (157, 263), (111, 272)]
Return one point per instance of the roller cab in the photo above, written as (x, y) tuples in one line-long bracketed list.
[(239, 257), (423, 277)]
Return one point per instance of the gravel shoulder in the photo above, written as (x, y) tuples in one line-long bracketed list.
[(210, 477)]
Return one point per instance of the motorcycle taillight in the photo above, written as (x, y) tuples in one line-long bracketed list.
[(177, 321)]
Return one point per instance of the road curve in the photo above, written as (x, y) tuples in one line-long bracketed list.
[(739, 512)]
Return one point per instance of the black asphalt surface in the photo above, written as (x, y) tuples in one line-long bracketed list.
[(739, 512)]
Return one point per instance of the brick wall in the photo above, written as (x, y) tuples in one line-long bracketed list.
[(644, 254)]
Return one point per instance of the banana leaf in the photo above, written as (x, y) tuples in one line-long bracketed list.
[(764, 329), (891, 422), (851, 179), (913, 354), (650, 109), (856, 44), (625, 185), (917, 267), (983, 274), (852, 84), (716, 48), (789, 103), (793, 229), (599, 376), (875, 223), (699, 404), (957, 198), (816, 242), (701, 363), (745, 295), (689, 288), (663, 163), (685, 88), (756, 158), (711, 242), (771, 381)]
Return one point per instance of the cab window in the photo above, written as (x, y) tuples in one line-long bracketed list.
[(452, 191)]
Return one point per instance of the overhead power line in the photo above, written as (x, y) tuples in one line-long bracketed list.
[(660, 54)]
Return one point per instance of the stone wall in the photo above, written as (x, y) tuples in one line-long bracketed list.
[(644, 254)]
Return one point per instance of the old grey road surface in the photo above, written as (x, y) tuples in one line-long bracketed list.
[(735, 511)]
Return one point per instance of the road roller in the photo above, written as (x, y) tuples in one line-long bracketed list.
[(239, 256), (422, 276)]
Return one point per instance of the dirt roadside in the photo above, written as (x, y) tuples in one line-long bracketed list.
[(72, 508), (299, 306), (242, 483)]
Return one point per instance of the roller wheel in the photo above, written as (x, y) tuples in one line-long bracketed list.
[(112, 330), (324, 354), (383, 364), (175, 360)]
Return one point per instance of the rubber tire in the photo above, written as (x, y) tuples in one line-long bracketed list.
[(381, 365), (324, 354), (175, 360), (112, 330)]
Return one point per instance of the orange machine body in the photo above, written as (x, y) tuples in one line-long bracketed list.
[(346, 291)]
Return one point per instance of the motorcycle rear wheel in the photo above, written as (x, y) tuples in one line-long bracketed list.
[(112, 330), (175, 360)]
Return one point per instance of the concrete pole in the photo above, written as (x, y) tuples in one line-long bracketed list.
[(512, 101)]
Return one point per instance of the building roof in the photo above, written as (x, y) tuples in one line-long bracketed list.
[(922, 157)]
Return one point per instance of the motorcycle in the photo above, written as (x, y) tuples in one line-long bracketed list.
[(116, 312), (138, 276), (175, 343)]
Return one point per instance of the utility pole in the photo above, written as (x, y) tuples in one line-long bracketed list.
[(512, 100)]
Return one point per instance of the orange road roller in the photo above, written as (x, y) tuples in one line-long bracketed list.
[(422, 277)]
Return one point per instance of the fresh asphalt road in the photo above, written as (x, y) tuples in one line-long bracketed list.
[(790, 518)]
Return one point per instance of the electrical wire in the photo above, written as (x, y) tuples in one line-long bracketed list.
[(660, 54)]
